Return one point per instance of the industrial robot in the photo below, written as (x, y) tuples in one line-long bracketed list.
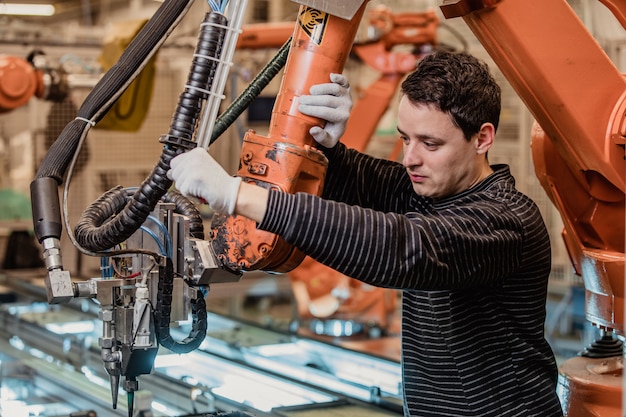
[(21, 79), (153, 238)]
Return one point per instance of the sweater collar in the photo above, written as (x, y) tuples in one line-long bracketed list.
[(500, 173)]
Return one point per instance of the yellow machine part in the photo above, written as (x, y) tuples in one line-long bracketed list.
[(130, 110)]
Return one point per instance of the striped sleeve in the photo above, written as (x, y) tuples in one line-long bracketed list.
[(358, 179), (436, 251)]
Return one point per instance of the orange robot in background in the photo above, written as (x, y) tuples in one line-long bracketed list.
[(21, 80)]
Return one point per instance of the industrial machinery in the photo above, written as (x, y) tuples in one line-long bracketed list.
[(157, 265), (152, 238), (578, 99), (24, 78)]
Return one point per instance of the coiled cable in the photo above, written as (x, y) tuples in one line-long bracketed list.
[(94, 231)]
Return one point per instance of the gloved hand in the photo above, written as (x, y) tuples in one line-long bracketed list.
[(331, 102), (197, 174)]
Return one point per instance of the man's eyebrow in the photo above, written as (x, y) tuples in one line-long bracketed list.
[(422, 137)]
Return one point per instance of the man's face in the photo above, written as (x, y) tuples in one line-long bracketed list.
[(439, 160)]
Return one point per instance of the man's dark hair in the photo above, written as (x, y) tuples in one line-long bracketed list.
[(458, 84)]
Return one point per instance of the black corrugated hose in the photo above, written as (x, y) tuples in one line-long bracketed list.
[(96, 230), (185, 207), (44, 188)]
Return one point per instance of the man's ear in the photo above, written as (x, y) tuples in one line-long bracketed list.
[(485, 137)]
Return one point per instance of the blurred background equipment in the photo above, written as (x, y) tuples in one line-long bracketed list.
[(130, 110), (22, 79)]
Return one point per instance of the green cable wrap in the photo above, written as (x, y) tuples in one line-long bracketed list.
[(251, 92)]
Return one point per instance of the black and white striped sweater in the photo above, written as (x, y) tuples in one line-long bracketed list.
[(473, 269)]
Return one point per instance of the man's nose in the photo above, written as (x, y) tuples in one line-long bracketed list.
[(411, 155)]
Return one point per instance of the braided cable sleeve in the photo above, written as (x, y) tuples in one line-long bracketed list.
[(112, 85), (252, 91)]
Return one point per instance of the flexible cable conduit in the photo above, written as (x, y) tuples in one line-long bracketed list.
[(97, 230), (112, 85)]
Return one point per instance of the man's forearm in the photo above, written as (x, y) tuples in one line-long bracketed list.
[(252, 201)]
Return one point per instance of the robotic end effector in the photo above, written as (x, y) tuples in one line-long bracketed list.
[(136, 312), (136, 308), (48, 228), (121, 353)]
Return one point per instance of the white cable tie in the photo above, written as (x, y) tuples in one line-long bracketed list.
[(212, 58), (217, 25), (202, 90), (220, 96), (82, 119)]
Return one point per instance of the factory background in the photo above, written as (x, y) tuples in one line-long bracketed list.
[(74, 38)]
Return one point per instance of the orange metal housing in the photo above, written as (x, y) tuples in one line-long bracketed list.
[(577, 96), (286, 159)]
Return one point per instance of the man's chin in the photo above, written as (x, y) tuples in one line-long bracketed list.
[(422, 190)]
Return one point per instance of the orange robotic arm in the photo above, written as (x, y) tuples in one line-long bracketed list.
[(286, 159), (320, 291), (19, 82), (578, 97)]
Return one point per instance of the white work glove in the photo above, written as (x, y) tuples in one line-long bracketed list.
[(197, 174), (331, 102)]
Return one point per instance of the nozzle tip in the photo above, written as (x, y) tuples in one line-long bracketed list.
[(130, 399)]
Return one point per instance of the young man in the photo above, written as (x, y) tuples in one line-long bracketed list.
[(470, 253)]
